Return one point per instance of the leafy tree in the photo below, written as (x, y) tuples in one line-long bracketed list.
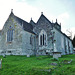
[(73, 41)]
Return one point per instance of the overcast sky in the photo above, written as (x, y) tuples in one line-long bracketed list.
[(62, 10)]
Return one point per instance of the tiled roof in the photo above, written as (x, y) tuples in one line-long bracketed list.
[(26, 26), (32, 23)]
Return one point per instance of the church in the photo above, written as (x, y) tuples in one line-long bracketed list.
[(19, 37)]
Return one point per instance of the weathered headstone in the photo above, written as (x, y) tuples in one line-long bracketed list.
[(0, 63), (56, 54), (4, 55), (54, 64), (67, 61), (28, 55)]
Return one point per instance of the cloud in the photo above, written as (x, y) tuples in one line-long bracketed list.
[(21, 0), (5, 7), (25, 11), (63, 17), (20, 9)]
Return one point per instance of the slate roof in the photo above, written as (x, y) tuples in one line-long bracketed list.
[(54, 26), (26, 26), (29, 28), (32, 23), (44, 17)]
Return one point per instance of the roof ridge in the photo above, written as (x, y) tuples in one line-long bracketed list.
[(26, 26), (44, 17), (20, 18)]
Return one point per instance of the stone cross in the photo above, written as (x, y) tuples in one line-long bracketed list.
[(55, 50), (56, 54)]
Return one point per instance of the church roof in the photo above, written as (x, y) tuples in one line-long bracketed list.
[(32, 23), (42, 16), (26, 26), (56, 23)]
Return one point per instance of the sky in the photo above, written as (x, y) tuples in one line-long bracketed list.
[(62, 10)]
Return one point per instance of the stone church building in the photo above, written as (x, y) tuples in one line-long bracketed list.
[(19, 37)]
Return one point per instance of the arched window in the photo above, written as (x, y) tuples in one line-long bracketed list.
[(10, 34), (40, 39), (43, 38), (31, 39)]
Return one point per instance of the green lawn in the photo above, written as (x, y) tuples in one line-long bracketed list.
[(21, 65)]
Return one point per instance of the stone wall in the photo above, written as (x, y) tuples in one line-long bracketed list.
[(62, 42), (20, 44), (26, 43), (27, 46), (43, 24)]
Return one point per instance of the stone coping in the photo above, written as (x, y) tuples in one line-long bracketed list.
[(56, 52)]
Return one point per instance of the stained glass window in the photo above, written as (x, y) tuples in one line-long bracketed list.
[(10, 34)]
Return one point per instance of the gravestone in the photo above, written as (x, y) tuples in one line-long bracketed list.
[(28, 55), (4, 55), (56, 54), (54, 64), (0, 63)]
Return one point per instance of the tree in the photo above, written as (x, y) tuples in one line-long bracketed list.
[(73, 41)]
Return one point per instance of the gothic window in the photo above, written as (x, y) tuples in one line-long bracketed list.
[(45, 38), (31, 39), (42, 38), (10, 34)]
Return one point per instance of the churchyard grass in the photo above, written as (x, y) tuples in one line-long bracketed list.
[(21, 65)]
